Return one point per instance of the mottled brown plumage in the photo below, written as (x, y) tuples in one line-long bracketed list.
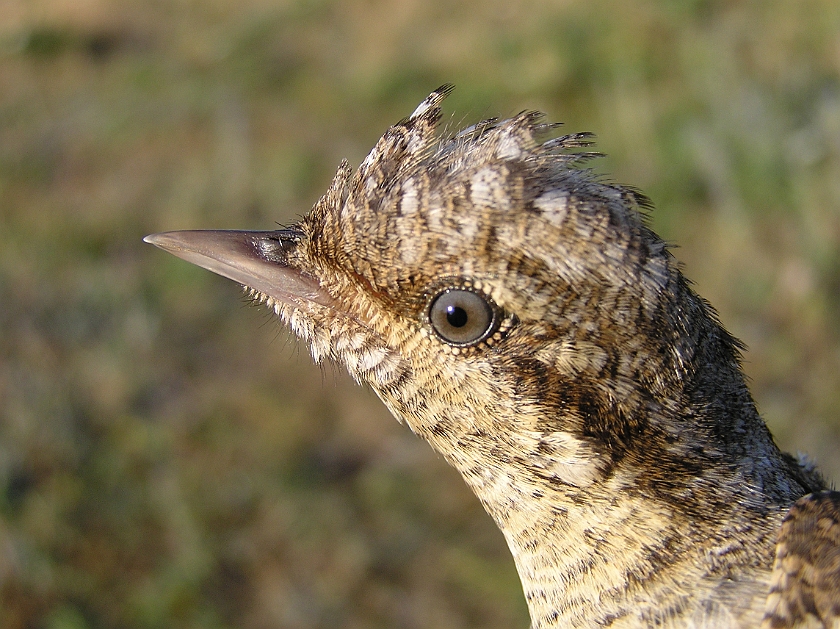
[(517, 313)]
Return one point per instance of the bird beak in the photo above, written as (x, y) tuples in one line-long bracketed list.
[(256, 259)]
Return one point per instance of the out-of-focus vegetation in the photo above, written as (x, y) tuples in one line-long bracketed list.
[(169, 459)]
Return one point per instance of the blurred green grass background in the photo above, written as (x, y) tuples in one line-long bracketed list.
[(169, 458)]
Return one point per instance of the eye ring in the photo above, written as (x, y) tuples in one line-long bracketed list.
[(462, 317)]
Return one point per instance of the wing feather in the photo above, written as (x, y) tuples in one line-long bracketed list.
[(805, 582)]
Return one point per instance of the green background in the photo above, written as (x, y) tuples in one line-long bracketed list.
[(170, 458)]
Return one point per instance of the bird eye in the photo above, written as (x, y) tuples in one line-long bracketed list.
[(461, 317)]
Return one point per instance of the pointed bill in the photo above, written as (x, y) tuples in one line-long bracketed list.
[(256, 259)]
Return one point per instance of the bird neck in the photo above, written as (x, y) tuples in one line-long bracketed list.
[(599, 536), (611, 555)]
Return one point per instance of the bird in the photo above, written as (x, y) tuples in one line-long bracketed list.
[(515, 310)]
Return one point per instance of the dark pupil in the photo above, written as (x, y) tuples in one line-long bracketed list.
[(456, 317)]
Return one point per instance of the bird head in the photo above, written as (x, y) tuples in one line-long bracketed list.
[(509, 306)]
